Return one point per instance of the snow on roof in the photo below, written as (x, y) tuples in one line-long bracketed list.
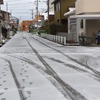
[(71, 12)]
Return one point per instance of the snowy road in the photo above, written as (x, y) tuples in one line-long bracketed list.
[(33, 68)]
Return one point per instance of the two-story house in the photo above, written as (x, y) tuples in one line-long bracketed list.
[(60, 7), (86, 19)]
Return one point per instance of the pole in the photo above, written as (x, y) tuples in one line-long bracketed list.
[(11, 12), (37, 14), (32, 13), (48, 13), (0, 28), (7, 6)]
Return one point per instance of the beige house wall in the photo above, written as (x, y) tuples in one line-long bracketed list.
[(89, 12), (87, 6)]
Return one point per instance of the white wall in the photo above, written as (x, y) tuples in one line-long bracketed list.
[(51, 7)]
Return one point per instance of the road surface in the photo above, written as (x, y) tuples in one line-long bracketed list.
[(33, 68)]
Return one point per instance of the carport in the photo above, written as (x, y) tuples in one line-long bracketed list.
[(88, 25)]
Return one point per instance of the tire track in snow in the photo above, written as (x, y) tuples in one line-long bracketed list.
[(75, 95), (45, 72), (97, 73), (74, 67)]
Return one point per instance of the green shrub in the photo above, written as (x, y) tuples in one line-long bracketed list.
[(52, 28)]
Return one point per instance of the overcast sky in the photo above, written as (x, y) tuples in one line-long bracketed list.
[(22, 9)]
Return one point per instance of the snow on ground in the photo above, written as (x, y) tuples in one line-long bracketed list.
[(8, 89), (21, 69), (33, 83), (83, 82)]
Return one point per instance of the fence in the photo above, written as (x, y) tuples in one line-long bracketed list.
[(70, 38), (55, 38)]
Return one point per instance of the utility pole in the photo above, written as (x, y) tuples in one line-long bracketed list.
[(7, 6), (0, 26), (37, 14), (11, 12), (32, 13), (48, 11)]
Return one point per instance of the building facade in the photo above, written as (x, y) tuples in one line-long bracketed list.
[(60, 7), (85, 20), (25, 25)]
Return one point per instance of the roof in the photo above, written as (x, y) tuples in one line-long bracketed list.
[(71, 12), (88, 16), (5, 11)]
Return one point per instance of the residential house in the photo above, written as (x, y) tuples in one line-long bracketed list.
[(25, 25), (1, 2), (14, 22), (85, 20), (60, 7), (36, 22), (5, 15)]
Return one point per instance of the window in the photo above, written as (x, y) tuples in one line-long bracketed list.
[(81, 24), (73, 25)]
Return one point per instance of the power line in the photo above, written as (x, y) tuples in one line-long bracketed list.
[(19, 8)]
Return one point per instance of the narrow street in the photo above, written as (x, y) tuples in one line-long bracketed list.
[(33, 68)]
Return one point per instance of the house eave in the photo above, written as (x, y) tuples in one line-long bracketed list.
[(71, 12), (94, 16)]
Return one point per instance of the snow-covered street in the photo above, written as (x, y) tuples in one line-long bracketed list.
[(33, 68)]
